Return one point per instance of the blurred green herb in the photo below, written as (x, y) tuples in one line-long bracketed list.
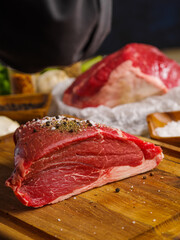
[(89, 63), (48, 69), (4, 81)]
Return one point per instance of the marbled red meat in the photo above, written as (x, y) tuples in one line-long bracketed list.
[(58, 157), (131, 74)]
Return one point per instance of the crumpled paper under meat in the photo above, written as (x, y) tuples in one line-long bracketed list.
[(129, 117)]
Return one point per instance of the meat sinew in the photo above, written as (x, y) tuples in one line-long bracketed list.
[(131, 74), (58, 157)]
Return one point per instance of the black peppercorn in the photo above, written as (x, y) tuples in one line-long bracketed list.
[(48, 123), (89, 124), (34, 130), (117, 190)]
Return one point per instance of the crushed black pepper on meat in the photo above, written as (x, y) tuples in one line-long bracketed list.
[(66, 124), (88, 123), (48, 123)]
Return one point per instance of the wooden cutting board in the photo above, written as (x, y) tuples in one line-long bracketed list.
[(147, 207)]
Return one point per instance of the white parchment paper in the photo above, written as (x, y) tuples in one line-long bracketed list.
[(130, 117)]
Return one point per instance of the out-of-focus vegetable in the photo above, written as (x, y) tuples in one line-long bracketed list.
[(89, 63), (49, 69), (73, 70), (49, 79), (4, 81)]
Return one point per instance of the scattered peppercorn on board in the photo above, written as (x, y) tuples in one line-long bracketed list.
[(146, 206)]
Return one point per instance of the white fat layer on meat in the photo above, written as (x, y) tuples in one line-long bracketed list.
[(128, 84), (116, 173)]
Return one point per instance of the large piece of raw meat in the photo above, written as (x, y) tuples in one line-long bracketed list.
[(131, 74), (58, 157)]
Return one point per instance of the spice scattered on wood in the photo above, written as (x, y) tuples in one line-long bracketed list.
[(151, 174), (133, 222), (144, 177), (117, 190)]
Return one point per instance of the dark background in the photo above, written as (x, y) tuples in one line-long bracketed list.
[(155, 22)]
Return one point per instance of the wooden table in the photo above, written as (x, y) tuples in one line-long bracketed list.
[(145, 208)]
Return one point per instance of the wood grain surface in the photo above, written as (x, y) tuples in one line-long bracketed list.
[(147, 206)]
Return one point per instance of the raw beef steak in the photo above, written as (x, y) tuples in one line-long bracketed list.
[(58, 157), (131, 74)]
